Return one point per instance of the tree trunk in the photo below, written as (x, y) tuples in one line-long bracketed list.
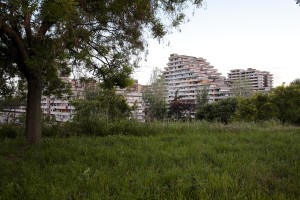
[(33, 113)]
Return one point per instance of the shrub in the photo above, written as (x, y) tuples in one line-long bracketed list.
[(59, 129), (10, 131), (220, 111)]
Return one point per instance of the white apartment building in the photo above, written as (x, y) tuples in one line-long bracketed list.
[(189, 75), (60, 109), (134, 98), (12, 115), (252, 79), (57, 109)]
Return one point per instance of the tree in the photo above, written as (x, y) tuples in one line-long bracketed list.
[(100, 108), (241, 87), (202, 100), (265, 109), (246, 110), (179, 109), (287, 102), (221, 111), (12, 96), (202, 97), (42, 39), (155, 96), (226, 109), (295, 82), (207, 112), (258, 107), (101, 103), (9, 105)]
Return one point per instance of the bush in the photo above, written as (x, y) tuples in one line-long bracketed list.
[(220, 111), (101, 127), (10, 131), (66, 129)]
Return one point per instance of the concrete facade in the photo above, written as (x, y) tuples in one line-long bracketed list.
[(134, 97), (56, 109), (252, 79), (189, 75), (60, 109)]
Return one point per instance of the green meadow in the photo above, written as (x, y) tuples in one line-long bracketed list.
[(172, 161)]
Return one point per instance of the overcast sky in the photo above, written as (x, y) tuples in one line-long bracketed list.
[(261, 34)]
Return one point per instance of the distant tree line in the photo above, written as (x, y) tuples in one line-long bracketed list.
[(282, 104)]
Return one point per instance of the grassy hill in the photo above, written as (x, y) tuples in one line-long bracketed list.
[(193, 161)]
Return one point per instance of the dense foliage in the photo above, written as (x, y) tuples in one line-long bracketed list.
[(42, 39), (100, 107), (12, 96), (180, 109), (287, 102), (202, 97), (255, 108), (155, 97), (282, 104), (219, 111)]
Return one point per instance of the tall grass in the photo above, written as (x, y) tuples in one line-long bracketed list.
[(126, 127), (166, 161)]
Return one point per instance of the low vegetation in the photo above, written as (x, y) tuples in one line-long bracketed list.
[(195, 160), (281, 104)]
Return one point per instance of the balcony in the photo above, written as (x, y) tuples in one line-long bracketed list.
[(60, 113)]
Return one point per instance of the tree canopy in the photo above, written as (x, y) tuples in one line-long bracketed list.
[(155, 96), (219, 111), (287, 102), (100, 107), (42, 39)]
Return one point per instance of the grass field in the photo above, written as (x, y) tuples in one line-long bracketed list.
[(192, 161)]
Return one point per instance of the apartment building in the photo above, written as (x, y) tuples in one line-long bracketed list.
[(60, 109), (250, 79), (134, 98), (12, 114), (188, 75), (56, 109)]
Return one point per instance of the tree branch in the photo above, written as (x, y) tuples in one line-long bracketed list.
[(22, 56), (46, 25), (27, 26)]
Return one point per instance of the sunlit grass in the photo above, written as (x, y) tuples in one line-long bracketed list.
[(188, 161)]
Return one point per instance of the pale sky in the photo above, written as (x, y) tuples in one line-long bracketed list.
[(231, 34)]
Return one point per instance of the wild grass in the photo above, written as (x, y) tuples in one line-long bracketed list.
[(166, 161), (99, 127)]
